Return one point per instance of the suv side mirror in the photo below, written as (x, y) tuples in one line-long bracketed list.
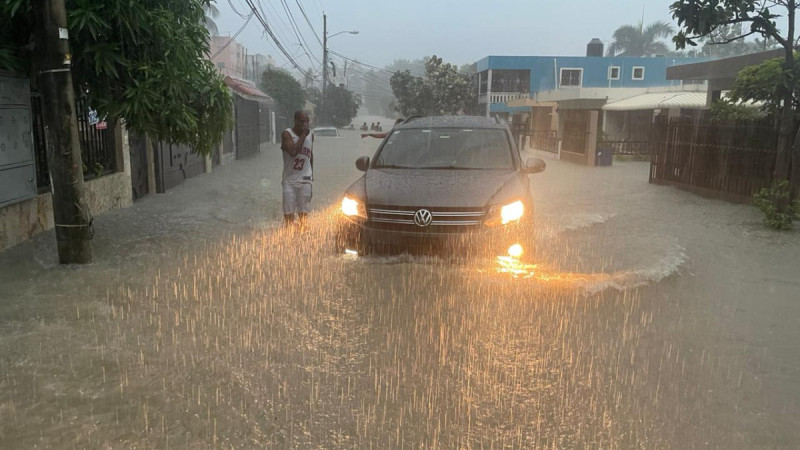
[(534, 165), (362, 163)]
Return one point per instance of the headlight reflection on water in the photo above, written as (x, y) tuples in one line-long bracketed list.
[(515, 267)]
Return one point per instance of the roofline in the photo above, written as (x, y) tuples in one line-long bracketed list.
[(718, 69)]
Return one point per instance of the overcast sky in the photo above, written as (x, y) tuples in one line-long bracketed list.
[(458, 33)]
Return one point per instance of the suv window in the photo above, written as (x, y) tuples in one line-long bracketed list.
[(446, 148)]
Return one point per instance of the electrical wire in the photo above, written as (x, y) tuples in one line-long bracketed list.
[(361, 63), (275, 39), (297, 33), (303, 11), (233, 8), (233, 37)]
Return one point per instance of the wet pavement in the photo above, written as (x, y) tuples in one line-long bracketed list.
[(648, 317)]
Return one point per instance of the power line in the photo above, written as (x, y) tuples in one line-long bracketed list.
[(361, 63), (316, 35), (232, 38), (235, 10), (296, 30), (274, 38), (280, 30)]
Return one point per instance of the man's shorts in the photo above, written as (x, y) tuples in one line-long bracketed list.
[(296, 198)]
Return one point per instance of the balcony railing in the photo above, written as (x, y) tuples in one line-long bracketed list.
[(502, 97)]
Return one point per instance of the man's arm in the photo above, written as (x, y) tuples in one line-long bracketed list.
[(292, 148), (312, 152)]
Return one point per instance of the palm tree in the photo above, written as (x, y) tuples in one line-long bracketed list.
[(638, 40), (211, 13)]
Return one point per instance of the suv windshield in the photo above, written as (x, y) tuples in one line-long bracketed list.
[(446, 148)]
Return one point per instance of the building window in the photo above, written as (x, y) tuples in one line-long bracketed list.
[(638, 73), (613, 73), (511, 80), (571, 77)]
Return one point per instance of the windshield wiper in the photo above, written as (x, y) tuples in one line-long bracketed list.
[(450, 168), (393, 166)]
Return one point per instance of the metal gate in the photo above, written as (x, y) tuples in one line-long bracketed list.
[(175, 163), (17, 169), (576, 126), (138, 151), (263, 122), (247, 141)]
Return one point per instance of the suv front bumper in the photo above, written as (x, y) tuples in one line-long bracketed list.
[(360, 236)]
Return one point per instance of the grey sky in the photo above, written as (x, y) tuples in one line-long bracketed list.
[(458, 33)]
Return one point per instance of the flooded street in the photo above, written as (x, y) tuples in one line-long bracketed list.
[(646, 317)]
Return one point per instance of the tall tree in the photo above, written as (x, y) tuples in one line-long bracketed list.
[(638, 40), (443, 90), (284, 89), (212, 12), (342, 105), (141, 61), (701, 18)]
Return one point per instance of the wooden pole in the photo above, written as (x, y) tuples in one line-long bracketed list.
[(70, 213)]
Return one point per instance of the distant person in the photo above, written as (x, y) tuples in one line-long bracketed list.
[(297, 145), (382, 135), (378, 127), (372, 127), (364, 127)]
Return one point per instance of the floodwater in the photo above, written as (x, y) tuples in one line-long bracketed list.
[(647, 317)]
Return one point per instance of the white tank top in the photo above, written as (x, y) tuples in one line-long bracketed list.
[(297, 169)]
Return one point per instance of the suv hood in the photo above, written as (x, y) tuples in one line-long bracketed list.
[(436, 188)]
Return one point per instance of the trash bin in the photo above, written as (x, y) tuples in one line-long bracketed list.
[(604, 154)]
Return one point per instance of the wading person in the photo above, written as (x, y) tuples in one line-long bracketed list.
[(297, 145), (381, 135)]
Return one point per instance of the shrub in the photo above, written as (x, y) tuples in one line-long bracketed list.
[(779, 211)]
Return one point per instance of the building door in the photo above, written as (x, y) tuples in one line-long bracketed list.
[(247, 140)]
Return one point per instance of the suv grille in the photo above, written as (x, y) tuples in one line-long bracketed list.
[(444, 220)]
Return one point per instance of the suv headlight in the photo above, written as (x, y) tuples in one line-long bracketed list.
[(505, 214), (353, 208)]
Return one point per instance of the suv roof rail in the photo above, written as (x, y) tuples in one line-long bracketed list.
[(409, 118)]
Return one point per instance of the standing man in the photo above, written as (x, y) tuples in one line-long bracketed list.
[(297, 145)]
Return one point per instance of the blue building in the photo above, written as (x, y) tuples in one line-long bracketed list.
[(559, 96)]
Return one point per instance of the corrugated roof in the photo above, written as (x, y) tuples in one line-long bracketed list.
[(666, 100), (246, 89)]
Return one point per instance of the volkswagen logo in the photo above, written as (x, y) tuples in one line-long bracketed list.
[(423, 218)]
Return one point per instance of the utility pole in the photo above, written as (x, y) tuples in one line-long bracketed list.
[(323, 115), (345, 73), (70, 213)]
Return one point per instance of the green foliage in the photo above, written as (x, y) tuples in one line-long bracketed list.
[(723, 42), (375, 88), (443, 90), (142, 61), (342, 105), (726, 110), (638, 40), (762, 83), (779, 211), (284, 89), (701, 18), (774, 82)]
